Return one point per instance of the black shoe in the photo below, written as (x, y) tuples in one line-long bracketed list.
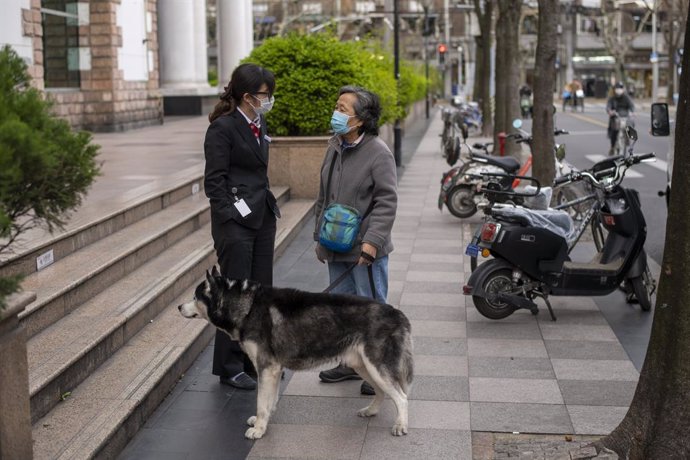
[(367, 389), (338, 374), (241, 381)]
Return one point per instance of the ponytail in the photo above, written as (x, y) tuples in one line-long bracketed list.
[(246, 78), (224, 106)]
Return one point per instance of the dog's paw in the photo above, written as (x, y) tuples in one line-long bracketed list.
[(399, 429), (367, 412), (254, 433), (251, 420)]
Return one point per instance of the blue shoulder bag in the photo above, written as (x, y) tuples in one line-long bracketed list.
[(340, 223)]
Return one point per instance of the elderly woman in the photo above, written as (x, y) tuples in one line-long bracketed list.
[(362, 174)]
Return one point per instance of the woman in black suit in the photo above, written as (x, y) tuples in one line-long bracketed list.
[(243, 209)]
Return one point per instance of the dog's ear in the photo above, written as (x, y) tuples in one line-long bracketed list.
[(210, 278), (214, 272)]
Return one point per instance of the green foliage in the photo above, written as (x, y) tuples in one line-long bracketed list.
[(213, 77), (310, 69), (45, 168)]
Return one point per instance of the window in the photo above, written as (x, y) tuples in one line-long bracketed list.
[(311, 8), (363, 7), (61, 55)]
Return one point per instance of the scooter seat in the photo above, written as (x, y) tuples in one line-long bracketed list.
[(558, 222), (508, 164)]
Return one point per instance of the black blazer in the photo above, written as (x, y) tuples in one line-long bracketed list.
[(235, 159)]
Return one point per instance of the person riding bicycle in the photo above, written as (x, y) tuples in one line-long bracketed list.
[(618, 105)]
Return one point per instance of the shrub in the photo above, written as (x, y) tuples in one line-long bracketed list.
[(309, 71), (45, 168)]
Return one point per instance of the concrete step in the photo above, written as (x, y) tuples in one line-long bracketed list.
[(96, 220), (130, 356), (75, 279), (62, 355)]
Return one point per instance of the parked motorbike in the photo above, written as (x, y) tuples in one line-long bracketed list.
[(460, 186), (530, 248)]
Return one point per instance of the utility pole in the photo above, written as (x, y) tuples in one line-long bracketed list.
[(426, 32), (397, 147)]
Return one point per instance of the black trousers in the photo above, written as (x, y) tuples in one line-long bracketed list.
[(243, 253)]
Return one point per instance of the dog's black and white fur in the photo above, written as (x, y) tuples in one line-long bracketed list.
[(288, 328)]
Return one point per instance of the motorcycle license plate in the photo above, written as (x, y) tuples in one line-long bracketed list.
[(472, 250)]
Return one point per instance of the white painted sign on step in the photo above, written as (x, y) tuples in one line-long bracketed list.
[(195, 188), (44, 260)]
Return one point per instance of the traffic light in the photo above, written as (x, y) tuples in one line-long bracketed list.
[(442, 50)]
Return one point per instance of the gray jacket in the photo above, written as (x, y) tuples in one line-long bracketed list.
[(363, 174)]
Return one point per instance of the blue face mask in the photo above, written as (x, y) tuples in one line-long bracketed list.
[(339, 122)]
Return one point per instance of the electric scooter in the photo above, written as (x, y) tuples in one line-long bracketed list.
[(530, 248)]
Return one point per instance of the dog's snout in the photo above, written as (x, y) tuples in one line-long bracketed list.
[(179, 308)]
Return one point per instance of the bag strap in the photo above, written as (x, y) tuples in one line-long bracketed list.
[(328, 188)]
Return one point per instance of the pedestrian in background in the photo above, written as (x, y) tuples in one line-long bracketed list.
[(243, 208), (362, 174)]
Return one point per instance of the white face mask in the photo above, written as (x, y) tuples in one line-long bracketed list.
[(619, 91), (266, 105)]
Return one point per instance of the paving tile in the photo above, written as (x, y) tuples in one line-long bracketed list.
[(433, 313), (583, 333), (454, 329), (596, 419), (506, 348), (425, 257), (439, 388), (523, 418), (538, 391), (597, 392), (440, 365), (588, 369), (309, 441), (434, 415), (440, 346), (311, 410), (419, 444), (572, 303), (573, 349), (517, 368), (196, 400), (436, 300), (520, 316), (308, 384), (434, 276), (437, 288), (579, 317), (457, 267), (501, 330)]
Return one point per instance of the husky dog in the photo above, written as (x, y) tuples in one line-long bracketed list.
[(287, 328)]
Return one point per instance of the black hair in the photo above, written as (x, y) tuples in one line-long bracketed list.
[(367, 108), (246, 78)]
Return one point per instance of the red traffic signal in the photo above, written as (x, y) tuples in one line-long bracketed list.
[(442, 48)]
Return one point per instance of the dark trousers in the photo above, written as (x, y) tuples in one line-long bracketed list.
[(243, 253)]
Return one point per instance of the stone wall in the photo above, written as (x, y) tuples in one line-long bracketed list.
[(101, 99)]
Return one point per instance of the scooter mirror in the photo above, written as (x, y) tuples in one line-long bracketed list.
[(517, 123), (632, 133), (465, 131), (660, 121)]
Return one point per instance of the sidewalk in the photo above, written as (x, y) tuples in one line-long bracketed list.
[(473, 376)]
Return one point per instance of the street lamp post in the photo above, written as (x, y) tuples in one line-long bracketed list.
[(655, 57), (396, 70)]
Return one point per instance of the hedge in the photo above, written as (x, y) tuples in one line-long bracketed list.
[(310, 69)]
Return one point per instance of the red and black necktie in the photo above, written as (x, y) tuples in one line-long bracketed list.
[(255, 129)]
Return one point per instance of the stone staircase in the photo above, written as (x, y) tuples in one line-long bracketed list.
[(106, 343)]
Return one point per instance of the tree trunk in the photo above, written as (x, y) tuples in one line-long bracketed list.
[(478, 90), (483, 67), (670, 69), (543, 167), (658, 421), (507, 70)]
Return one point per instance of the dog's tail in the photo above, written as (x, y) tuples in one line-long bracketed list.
[(407, 365)]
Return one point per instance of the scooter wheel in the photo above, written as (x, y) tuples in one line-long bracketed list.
[(460, 202), (496, 282), (639, 287)]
